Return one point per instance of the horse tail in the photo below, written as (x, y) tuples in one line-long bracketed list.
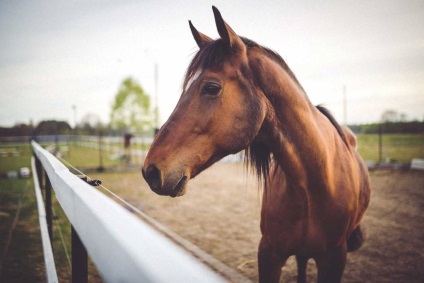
[(356, 239), (350, 136)]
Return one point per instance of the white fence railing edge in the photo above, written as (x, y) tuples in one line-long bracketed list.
[(123, 248), (51, 274)]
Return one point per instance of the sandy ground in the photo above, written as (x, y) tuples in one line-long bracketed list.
[(220, 214)]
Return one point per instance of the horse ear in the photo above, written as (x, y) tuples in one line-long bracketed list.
[(200, 38), (226, 32)]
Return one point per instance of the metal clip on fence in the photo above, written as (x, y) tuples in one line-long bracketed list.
[(92, 182)]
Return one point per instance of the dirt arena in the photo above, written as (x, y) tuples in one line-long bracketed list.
[(221, 213)]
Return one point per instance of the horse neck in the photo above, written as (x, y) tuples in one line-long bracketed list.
[(291, 128)]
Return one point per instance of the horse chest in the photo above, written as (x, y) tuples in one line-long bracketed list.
[(283, 220), (299, 222)]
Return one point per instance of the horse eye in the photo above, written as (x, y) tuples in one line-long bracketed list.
[(211, 89)]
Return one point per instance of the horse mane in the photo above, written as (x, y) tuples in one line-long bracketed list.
[(259, 157), (211, 55), (333, 121)]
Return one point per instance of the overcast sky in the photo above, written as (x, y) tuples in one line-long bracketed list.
[(56, 54)]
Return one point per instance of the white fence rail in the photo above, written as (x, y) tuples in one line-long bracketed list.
[(51, 274), (123, 248)]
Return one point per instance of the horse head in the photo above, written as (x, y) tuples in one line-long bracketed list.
[(219, 113)]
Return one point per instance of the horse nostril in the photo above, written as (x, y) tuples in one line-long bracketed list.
[(153, 177)]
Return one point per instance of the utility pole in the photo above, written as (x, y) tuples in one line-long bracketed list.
[(74, 107), (156, 99), (344, 106), (101, 168)]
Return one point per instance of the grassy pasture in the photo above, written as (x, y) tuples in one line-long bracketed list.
[(14, 156), (87, 157), (400, 147)]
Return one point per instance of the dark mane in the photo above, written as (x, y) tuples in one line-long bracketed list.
[(333, 121), (211, 55), (259, 156), (275, 56)]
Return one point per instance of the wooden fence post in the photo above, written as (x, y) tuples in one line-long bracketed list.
[(380, 143), (79, 259), (48, 197), (39, 169)]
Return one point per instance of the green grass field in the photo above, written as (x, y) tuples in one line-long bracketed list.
[(397, 147), (84, 157), (14, 156), (87, 157)]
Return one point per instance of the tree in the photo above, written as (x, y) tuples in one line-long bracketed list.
[(53, 127), (90, 123), (389, 116), (131, 108)]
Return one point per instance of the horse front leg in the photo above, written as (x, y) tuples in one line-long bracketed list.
[(269, 263), (331, 265)]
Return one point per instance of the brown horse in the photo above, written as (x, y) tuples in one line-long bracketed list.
[(239, 95)]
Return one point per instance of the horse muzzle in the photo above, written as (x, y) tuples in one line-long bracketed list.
[(173, 184)]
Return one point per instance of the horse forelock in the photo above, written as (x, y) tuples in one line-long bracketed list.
[(209, 56)]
